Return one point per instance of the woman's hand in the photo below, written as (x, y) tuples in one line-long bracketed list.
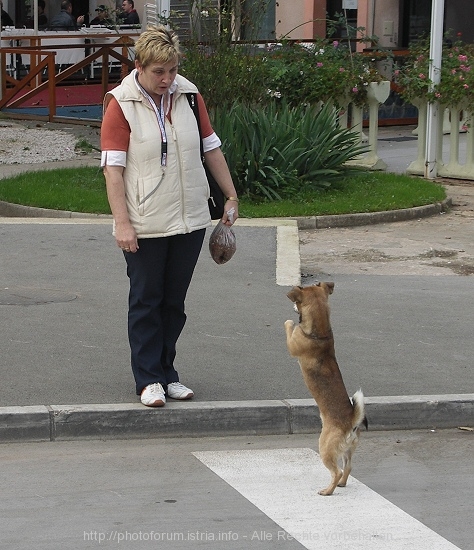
[(126, 237), (231, 212)]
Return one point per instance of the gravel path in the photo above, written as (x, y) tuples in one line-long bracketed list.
[(33, 143), (21, 146)]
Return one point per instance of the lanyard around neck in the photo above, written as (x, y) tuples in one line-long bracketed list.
[(160, 116)]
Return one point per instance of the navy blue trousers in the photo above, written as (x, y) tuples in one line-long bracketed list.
[(160, 273)]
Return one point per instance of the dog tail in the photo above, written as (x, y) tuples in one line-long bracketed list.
[(359, 411)]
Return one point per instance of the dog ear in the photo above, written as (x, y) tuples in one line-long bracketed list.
[(295, 294), (329, 287)]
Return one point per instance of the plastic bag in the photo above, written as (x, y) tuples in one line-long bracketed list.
[(222, 242)]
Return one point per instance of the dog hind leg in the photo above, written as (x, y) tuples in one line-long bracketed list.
[(347, 459), (346, 468), (328, 451)]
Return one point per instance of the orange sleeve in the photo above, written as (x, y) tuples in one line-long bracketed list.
[(115, 130), (206, 127)]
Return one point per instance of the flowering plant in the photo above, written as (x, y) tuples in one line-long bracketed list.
[(324, 71), (456, 85), (286, 71), (411, 75)]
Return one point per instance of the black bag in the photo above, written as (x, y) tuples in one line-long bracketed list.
[(217, 198)]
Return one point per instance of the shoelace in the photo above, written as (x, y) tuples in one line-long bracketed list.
[(156, 388)]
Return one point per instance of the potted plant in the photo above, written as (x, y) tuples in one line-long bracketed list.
[(456, 85)]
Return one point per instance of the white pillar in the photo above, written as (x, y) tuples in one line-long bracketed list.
[(436, 50)]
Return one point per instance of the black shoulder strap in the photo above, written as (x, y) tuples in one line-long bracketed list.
[(193, 103), (217, 198)]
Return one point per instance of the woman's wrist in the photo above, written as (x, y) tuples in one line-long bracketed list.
[(235, 199)]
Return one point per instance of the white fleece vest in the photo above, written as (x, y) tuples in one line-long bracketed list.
[(171, 200)]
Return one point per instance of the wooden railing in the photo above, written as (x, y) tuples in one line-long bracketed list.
[(44, 58)]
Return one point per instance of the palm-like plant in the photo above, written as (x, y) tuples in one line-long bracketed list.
[(276, 151)]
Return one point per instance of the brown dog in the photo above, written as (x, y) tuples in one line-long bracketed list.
[(312, 343)]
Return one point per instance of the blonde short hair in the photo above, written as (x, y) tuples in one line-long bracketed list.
[(157, 45)]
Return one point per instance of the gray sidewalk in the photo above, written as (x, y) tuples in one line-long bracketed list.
[(405, 340)]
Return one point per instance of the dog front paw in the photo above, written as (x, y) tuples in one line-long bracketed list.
[(289, 324)]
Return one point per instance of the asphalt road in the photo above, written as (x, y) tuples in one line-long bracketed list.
[(411, 490), (402, 317)]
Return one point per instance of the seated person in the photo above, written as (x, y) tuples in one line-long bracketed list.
[(42, 19), (102, 17), (129, 15), (7, 21), (64, 20), (29, 22)]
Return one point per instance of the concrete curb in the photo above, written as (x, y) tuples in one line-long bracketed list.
[(222, 418), (10, 210), (367, 218)]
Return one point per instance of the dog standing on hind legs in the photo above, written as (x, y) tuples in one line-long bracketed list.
[(312, 342)]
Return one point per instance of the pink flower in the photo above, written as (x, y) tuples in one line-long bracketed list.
[(335, 43), (466, 86), (422, 76), (396, 73), (437, 94), (341, 69), (462, 58), (453, 71), (319, 64), (355, 90)]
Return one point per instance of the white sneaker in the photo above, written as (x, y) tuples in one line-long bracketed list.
[(176, 390), (153, 395)]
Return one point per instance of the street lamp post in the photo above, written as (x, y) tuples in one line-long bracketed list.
[(432, 123)]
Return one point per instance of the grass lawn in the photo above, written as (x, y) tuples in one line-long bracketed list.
[(83, 190)]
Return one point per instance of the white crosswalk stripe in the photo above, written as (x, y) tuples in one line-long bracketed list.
[(283, 483)]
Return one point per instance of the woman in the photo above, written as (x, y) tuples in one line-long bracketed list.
[(158, 192)]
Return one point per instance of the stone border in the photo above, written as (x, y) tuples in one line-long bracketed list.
[(10, 210), (222, 418), (368, 218)]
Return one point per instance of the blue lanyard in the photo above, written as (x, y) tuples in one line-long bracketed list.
[(160, 116)]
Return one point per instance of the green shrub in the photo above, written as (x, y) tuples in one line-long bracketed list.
[(224, 70), (257, 74), (323, 71), (225, 74), (276, 151)]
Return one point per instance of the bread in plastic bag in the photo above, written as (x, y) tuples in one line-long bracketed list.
[(222, 243)]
